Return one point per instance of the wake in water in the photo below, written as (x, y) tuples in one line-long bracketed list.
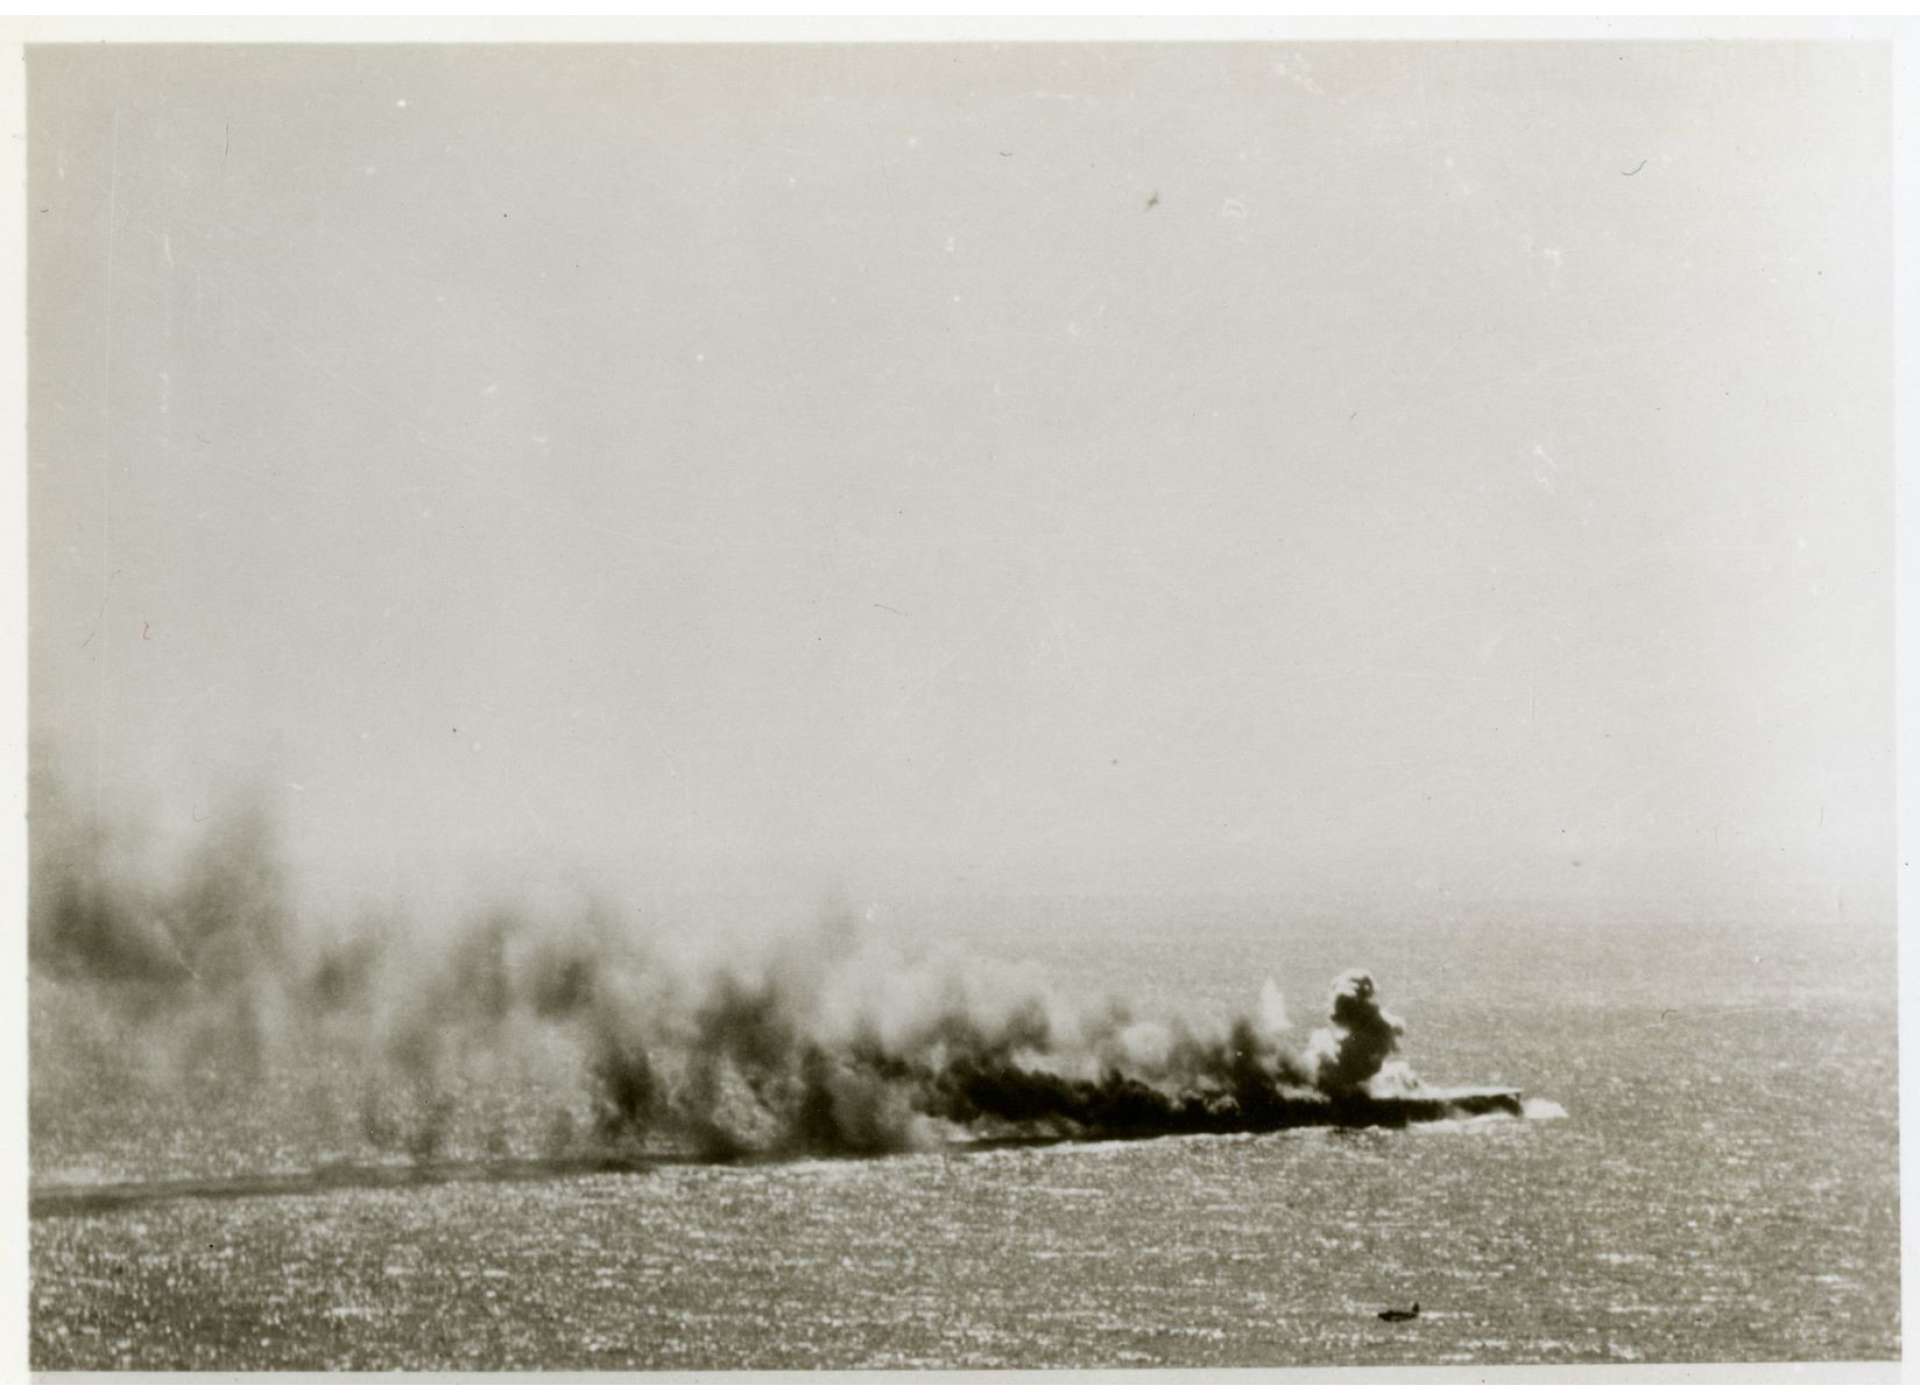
[(829, 1043)]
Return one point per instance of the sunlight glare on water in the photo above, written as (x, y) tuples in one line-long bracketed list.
[(1700, 1187)]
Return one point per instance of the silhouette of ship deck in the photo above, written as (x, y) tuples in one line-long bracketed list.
[(1424, 1106), (1115, 1118)]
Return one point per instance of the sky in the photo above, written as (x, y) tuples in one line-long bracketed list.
[(1398, 477)]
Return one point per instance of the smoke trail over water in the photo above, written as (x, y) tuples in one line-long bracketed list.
[(829, 1042)]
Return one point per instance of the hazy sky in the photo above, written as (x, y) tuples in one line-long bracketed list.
[(1406, 475)]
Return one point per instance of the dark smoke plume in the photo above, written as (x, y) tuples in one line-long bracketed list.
[(828, 1043), (1350, 1053)]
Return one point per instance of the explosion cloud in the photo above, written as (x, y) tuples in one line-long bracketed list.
[(1349, 1054)]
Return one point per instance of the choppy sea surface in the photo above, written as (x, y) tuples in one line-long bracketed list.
[(1723, 1186)]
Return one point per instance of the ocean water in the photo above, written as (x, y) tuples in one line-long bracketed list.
[(1711, 1175)]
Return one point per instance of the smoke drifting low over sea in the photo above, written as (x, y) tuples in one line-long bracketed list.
[(831, 1041)]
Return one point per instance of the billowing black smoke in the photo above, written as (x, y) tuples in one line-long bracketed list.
[(828, 1043), (1349, 1055)]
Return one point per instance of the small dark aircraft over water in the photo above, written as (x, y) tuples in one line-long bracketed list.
[(1400, 1314)]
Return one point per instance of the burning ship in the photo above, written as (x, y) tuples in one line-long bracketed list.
[(1348, 1077)]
